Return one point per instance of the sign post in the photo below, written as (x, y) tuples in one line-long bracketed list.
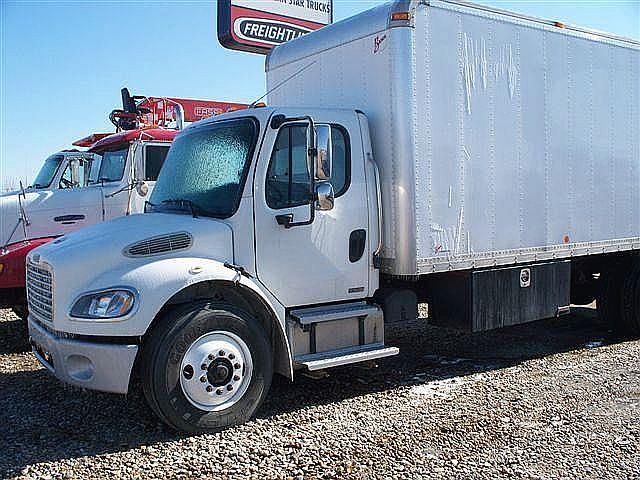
[(259, 25)]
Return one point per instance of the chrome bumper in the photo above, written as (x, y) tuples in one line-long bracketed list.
[(92, 365)]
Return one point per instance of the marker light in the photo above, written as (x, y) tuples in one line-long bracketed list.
[(400, 16)]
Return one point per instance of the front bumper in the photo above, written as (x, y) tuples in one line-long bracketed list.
[(87, 364)]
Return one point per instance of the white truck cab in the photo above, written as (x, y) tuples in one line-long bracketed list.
[(284, 238), (200, 238)]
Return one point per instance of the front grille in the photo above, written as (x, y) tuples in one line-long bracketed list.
[(161, 244), (40, 292)]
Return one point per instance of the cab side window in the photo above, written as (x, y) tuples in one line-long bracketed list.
[(288, 174), (76, 174), (153, 161)]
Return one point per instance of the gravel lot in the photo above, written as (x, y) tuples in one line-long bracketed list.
[(555, 399)]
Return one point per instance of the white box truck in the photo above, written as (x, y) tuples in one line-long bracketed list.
[(480, 161)]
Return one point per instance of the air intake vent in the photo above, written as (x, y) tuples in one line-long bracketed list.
[(162, 244)]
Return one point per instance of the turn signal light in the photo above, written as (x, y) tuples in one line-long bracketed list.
[(1, 267)]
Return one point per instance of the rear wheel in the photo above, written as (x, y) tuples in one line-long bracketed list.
[(206, 367), (630, 308), (618, 301), (609, 299)]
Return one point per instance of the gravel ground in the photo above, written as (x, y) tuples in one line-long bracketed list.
[(555, 399)]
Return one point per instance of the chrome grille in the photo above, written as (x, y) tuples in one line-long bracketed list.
[(40, 292), (161, 244)]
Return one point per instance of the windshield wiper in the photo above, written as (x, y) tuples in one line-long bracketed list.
[(183, 205)]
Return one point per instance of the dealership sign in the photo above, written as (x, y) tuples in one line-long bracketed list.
[(259, 25)]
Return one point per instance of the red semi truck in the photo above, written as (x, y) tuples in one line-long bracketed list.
[(113, 177)]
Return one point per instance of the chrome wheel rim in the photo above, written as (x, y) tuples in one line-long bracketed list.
[(216, 371)]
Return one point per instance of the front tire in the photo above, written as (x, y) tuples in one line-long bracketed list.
[(206, 367)]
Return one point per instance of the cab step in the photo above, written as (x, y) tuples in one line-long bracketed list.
[(308, 316), (345, 356)]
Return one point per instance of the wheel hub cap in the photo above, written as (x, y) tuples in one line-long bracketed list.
[(220, 372), (216, 371)]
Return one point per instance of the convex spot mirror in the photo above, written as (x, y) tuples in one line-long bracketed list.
[(324, 196), (142, 188)]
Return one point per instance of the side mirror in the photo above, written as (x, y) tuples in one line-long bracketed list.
[(142, 188), (324, 196), (323, 161)]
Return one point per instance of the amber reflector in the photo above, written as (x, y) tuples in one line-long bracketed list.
[(397, 16)]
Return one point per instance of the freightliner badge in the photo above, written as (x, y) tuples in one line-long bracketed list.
[(259, 25)]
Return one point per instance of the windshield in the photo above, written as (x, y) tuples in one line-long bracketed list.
[(206, 168), (48, 171), (112, 165)]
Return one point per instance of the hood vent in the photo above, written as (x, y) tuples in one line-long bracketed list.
[(171, 242)]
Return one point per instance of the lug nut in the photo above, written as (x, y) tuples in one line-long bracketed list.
[(219, 391), (229, 387), (221, 353), (203, 379), (236, 378), (236, 366), (209, 388), (231, 356), (203, 366), (211, 356)]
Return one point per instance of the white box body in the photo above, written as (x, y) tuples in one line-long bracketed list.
[(500, 139)]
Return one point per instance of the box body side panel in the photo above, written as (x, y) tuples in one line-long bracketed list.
[(526, 141)]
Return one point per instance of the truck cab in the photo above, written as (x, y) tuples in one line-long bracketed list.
[(276, 263)]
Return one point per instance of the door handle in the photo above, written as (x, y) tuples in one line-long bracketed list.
[(69, 218), (285, 220)]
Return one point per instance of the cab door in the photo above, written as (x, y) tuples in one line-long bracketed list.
[(327, 260), (72, 203), (147, 168)]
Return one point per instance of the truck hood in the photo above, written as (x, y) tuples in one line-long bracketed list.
[(97, 257)]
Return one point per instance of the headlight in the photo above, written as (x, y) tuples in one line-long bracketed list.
[(107, 304)]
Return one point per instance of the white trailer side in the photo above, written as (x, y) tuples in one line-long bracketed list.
[(501, 139)]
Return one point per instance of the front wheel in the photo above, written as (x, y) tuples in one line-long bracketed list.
[(206, 367)]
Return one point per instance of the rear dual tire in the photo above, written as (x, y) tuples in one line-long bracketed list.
[(206, 367), (618, 301)]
